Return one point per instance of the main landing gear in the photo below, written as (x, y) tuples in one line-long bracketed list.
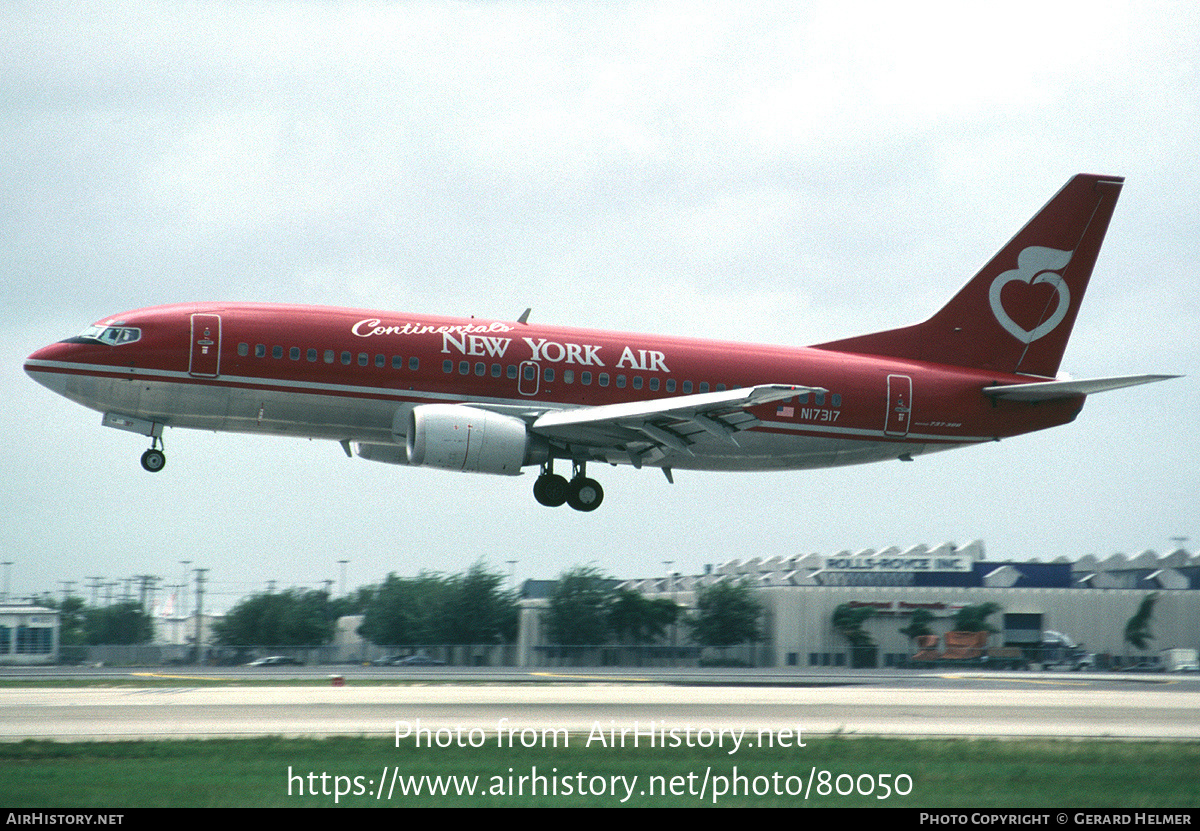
[(581, 493), (154, 459)]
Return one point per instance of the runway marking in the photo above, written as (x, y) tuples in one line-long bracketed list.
[(588, 677), (178, 677), (956, 676)]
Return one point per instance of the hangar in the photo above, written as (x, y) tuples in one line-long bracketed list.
[(1091, 600)]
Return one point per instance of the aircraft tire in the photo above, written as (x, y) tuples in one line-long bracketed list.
[(154, 460), (584, 494), (550, 490)]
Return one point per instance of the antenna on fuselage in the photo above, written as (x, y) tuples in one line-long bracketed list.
[(524, 318)]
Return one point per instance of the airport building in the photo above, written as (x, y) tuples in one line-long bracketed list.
[(28, 635), (1090, 601)]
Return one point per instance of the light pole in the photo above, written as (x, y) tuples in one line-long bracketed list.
[(200, 572), (183, 590)]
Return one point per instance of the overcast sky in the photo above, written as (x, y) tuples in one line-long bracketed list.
[(778, 173)]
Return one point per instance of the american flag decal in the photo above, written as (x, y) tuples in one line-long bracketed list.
[(786, 412)]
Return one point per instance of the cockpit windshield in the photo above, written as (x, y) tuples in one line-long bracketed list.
[(112, 335)]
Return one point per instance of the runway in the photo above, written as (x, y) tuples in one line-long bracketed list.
[(1009, 705)]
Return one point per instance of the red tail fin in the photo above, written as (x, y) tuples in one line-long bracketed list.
[(1016, 314)]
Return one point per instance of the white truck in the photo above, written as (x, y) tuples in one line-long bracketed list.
[(1180, 660)]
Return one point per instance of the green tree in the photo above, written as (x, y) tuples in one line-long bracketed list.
[(578, 610), (431, 608), (355, 603), (479, 610), (849, 621), (71, 614), (974, 618), (1137, 629), (919, 625), (726, 614), (296, 617), (408, 611), (120, 623), (634, 619)]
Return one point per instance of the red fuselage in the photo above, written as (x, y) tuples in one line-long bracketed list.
[(341, 374), (495, 396)]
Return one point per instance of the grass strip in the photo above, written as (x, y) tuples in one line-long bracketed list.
[(826, 772)]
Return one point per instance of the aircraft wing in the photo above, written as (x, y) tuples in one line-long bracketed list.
[(1050, 390), (646, 430)]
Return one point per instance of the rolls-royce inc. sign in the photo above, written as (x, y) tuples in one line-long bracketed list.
[(879, 564)]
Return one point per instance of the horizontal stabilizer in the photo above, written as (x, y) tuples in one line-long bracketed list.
[(1050, 390)]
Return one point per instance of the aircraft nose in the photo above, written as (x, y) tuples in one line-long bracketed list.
[(44, 366)]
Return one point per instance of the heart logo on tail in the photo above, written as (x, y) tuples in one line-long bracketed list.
[(1035, 264)]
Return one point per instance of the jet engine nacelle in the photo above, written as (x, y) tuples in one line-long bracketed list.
[(456, 437)]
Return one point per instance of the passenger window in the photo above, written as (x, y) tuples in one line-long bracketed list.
[(530, 372), (548, 375), (704, 386), (330, 355), (637, 382), (480, 368), (364, 358), (568, 376), (243, 349), (603, 379), (835, 400), (670, 385), (464, 367), (346, 358), (687, 387), (312, 355), (294, 353), (585, 378), (380, 361), (413, 363), (497, 370), (621, 381), (511, 371), (720, 388), (397, 362), (276, 351), (260, 351), (819, 399), (654, 384), (447, 366)]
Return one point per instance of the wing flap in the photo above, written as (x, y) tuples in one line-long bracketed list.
[(647, 430), (678, 407)]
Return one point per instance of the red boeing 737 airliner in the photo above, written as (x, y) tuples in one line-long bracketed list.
[(497, 396)]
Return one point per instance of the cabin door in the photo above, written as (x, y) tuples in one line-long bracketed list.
[(206, 346), (899, 411)]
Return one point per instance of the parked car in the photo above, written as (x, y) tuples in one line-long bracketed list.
[(275, 661), (420, 661)]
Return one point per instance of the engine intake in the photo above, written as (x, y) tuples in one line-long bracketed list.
[(457, 437)]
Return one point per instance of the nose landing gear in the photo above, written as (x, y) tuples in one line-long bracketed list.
[(581, 493)]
